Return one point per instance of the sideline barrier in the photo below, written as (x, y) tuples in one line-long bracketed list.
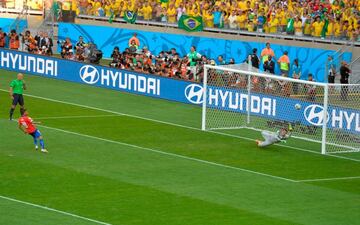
[(106, 38), (5, 24), (266, 106)]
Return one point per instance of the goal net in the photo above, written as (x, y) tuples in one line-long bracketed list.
[(238, 97)]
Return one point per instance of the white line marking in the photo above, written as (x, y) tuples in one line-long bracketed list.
[(54, 210), (179, 125), (168, 153), (74, 117), (329, 179)]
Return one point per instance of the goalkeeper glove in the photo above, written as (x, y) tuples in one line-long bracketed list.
[(283, 141), (290, 127)]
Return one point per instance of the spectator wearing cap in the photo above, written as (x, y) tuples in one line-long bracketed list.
[(284, 64), (146, 51), (266, 52), (134, 40), (70, 55)]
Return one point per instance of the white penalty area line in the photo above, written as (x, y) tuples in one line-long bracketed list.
[(199, 160), (328, 179), (75, 117), (54, 210), (182, 126), (169, 154)]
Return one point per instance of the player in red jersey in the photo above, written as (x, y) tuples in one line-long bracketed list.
[(27, 125)]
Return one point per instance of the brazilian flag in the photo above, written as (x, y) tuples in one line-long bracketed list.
[(111, 18), (290, 26), (130, 16), (191, 23), (325, 28)]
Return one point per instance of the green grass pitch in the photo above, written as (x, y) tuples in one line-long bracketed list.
[(118, 158)]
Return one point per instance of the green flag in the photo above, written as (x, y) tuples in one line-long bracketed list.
[(191, 23), (56, 10), (130, 16), (164, 1), (342, 4), (290, 26), (111, 18), (325, 27)]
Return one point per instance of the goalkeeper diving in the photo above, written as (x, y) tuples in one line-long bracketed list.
[(272, 138)]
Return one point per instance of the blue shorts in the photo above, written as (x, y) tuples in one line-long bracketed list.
[(36, 134)]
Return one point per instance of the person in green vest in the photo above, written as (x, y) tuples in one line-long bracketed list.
[(17, 88), (193, 56), (284, 63)]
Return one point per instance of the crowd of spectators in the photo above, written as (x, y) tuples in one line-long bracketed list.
[(41, 43), (266, 16), (20, 4)]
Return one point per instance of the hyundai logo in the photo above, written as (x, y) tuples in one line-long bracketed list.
[(194, 93), (314, 114), (89, 74)]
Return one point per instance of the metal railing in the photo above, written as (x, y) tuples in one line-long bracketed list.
[(23, 14), (230, 31), (16, 11)]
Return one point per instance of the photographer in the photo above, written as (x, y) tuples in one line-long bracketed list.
[(14, 40), (116, 56), (65, 47), (29, 42), (95, 55), (80, 55)]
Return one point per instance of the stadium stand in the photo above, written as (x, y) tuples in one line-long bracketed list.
[(319, 19)]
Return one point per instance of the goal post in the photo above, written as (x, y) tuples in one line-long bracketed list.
[(241, 97)]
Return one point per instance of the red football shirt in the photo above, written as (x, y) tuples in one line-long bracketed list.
[(27, 123)]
